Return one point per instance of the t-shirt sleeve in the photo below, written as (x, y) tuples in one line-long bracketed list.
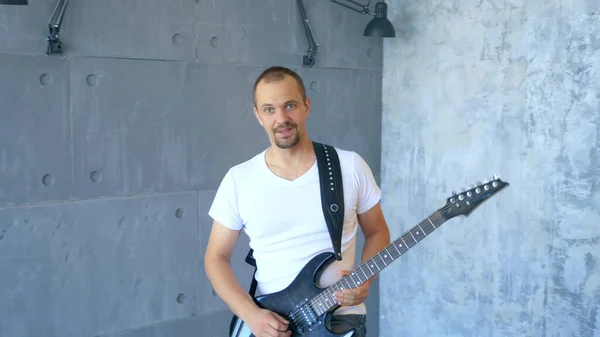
[(224, 208), (369, 193)]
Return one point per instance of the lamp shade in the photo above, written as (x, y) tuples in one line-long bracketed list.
[(380, 26), (13, 2)]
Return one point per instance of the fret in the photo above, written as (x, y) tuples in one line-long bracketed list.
[(398, 250), (405, 244), (417, 234), (382, 259), (352, 278), (412, 236), (357, 275), (322, 308), (374, 263), (412, 242), (348, 283), (369, 265), (391, 257), (402, 247), (394, 253), (431, 224), (421, 228), (366, 277)]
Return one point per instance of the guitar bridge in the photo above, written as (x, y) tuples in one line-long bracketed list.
[(304, 317)]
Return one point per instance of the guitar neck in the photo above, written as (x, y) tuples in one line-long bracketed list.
[(366, 270)]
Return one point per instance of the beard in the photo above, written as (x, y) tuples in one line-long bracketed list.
[(286, 142)]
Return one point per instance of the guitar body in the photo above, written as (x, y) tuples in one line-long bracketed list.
[(299, 292)]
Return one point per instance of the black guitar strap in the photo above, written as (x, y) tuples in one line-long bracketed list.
[(332, 200)]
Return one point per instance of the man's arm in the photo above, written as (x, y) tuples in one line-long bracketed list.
[(377, 237), (376, 231), (217, 264), (218, 269)]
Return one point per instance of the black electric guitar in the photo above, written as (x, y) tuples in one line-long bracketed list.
[(306, 306)]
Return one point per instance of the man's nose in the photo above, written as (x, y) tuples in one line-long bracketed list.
[(281, 115)]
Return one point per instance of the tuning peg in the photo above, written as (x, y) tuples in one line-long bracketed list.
[(496, 177), (453, 193), (485, 181)]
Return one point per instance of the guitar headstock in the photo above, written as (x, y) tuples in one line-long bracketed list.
[(465, 202)]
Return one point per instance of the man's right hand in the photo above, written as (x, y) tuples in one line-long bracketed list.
[(265, 323)]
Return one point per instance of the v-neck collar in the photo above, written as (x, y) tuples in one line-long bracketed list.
[(306, 175)]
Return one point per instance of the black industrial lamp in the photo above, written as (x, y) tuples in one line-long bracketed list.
[(13, 2), (380, 26)]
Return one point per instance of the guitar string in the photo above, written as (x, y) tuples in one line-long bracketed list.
[(436, 216), (319, 298), (322, 296), (297, 313)]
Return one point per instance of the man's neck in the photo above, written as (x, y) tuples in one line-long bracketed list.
[(293, 162)]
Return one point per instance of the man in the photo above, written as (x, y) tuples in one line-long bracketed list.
[(275, 198)]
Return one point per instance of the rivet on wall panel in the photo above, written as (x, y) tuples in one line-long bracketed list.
[(47, 179), (92, 80), (45, 79), (95, 176), (214, 41), (177, 39), (180, 298), (313, 86), (179, 213)]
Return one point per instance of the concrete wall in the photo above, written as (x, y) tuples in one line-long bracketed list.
[(110, 154), (473, 88)]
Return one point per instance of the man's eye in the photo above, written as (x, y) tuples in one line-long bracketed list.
[(290, 106), (268, 109)]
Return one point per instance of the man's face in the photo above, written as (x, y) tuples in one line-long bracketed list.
[(281, 111)]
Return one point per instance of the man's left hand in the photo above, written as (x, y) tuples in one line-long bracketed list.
[(350, 297)]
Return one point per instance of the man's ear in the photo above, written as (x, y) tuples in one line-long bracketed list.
[(307, 103), (257, 117)]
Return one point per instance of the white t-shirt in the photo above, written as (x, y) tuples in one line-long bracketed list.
[(284, 219)]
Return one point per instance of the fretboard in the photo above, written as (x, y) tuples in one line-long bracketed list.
[(325, 300)]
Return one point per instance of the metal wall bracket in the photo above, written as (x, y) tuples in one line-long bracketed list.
[(364, 9), (54, 43), (308, 60)]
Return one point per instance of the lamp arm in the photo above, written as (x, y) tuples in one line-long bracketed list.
[(54, 44), (364, 9), (309, 58)]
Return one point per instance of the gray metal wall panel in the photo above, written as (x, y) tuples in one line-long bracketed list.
[(35, 155), (85, 268), (140, 29), (207, 325), (347, 122)]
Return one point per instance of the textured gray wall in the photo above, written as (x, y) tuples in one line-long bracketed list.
[(473, 88), (110, 155)]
